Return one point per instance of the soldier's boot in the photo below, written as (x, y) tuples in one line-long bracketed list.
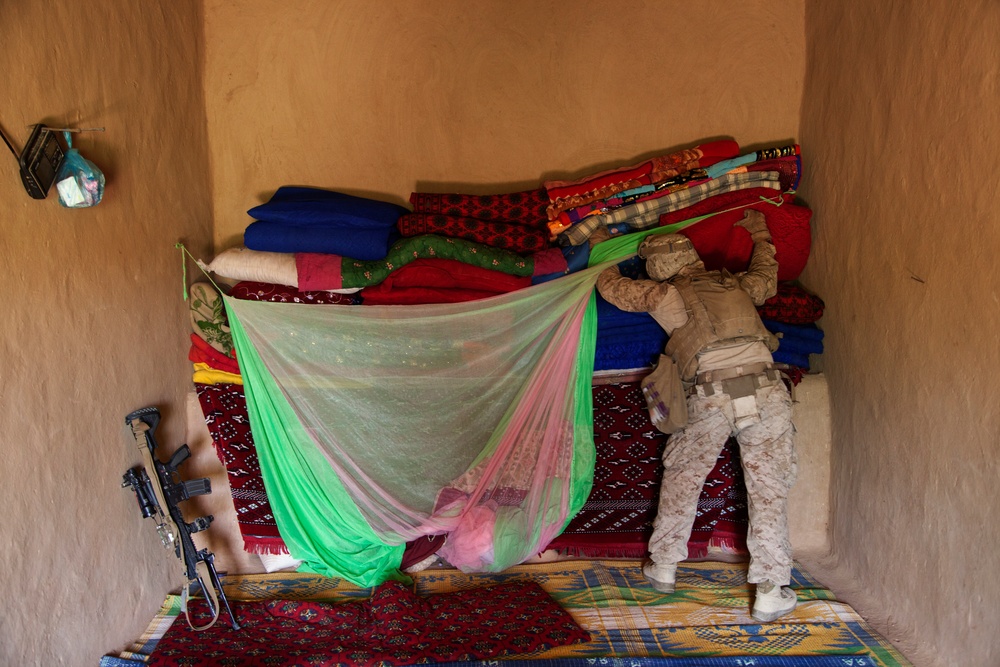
[(772, 601), (662, 578)]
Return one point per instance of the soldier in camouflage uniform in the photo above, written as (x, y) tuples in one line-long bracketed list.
[(723, 353)]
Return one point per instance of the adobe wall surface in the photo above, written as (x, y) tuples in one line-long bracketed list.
[(94, 325), (901, 120)]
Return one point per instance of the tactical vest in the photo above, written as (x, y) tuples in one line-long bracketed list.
[(720, 314)]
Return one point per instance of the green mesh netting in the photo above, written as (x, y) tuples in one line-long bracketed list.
[(375, 425)]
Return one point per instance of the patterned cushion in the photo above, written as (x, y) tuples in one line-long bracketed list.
[(792, 305)]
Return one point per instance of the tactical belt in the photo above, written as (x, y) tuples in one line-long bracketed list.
[(735, 372), (740, 380)]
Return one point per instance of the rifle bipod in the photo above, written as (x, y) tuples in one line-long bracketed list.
[(158, 495)]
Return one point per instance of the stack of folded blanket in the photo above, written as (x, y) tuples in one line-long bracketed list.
[(460, 247), (448, 248), (791, 315), (211, 349), (309, 245)]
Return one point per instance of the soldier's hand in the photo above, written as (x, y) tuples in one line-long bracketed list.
[(753, 222)]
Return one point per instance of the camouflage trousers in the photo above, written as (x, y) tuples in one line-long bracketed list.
[(769, 467)]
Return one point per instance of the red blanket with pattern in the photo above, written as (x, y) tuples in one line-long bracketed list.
[(394, 627), (521, 239)]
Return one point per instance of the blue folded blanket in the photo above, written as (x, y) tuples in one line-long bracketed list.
[(808, 331), (794, 345), (363, 244), (800, 360), (626, 340), (302, 219), (795, 342)]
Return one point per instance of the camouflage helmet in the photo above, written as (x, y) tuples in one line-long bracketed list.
[(667, 254)]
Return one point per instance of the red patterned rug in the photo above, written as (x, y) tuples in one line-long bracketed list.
[(225, 409), (393, 627)]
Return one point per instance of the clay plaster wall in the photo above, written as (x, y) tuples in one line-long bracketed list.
[(378, 99), (93, 323), (901, 117)]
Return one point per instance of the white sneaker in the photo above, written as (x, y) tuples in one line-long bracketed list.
[(662, 578), (772, 601)]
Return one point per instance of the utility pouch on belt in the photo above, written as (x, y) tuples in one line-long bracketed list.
[(741, 389), (665, 396)]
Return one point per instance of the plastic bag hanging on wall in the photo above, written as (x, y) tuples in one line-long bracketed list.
[(79, 182)]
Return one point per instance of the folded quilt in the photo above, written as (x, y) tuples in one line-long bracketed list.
[(567, 218), (303, 219), (509, 236), (362, 243), (378, 295), (208, 318), (719, 202), (204, 374), (788, 168), (574, 257), (723, 246), (440, 281), (325, 208), (792, 359), (565, 195), (250, 290), (792, 305), (720, 168), (328, 271), (627, 353), (806, 332), (793, 345), (646, 214), (451, 274), (796, 339), (203, 353), (523, 208)]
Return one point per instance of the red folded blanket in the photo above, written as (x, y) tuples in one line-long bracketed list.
[(792, 305), (720, 245), (440, 281), (248, 290), (509, 236), (522, 208), (203, 353)]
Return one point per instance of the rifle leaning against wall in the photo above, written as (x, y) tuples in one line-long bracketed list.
[(163, 491)]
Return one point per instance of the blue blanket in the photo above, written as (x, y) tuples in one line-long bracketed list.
[(303, 219)]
